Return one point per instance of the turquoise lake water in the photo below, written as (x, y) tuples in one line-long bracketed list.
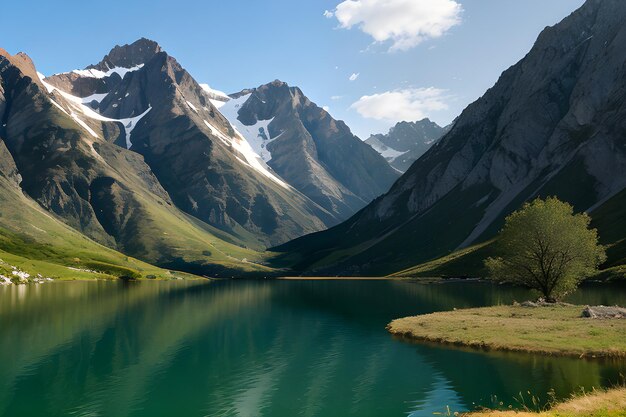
[(268, 348)]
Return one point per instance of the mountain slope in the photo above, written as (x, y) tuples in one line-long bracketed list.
[(406, 142), (554, 124), (207, 168), (301, 142), (35, 241), (57, 147)]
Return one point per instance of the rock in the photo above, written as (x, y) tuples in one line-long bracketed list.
[(529, 304), (603, 312), (541, 302)]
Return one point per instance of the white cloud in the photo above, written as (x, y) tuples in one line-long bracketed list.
[(326, 108), (405, 104), (354, 76), (404, 23), (336, 97), (328, 14)]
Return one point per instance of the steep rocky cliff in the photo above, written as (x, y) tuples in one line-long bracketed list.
[(553, 124)]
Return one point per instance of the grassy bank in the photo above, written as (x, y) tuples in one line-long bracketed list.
[(554, 330), (610, 403), (470, 263)]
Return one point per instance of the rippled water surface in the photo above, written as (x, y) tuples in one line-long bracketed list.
[(274, 348)]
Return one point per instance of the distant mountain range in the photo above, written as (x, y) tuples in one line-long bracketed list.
[(553, 124), (131, 160), (134, 153), (406, 142)]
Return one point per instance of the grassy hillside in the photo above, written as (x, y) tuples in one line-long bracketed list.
[(465, 263), (609, 218), (37, 242)]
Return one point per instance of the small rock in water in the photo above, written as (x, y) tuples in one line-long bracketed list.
[(603, 312)]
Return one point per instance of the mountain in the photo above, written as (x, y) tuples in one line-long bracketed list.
[(32, 238), (406, 142), (133, 153), (316, 154), (553, 124), (60, 163), (207, 168)]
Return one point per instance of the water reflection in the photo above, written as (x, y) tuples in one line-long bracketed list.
[(278, 348)]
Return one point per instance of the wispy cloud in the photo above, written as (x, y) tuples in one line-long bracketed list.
[(354, 76), (404, 23), (403, 104), (336, 97)]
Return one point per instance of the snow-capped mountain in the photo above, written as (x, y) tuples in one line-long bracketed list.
[(149, 104), (55, 157), (316, 154), (137, 155), (406, 142)]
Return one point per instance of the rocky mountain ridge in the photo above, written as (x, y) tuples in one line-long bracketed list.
[(553, 124), (134, 153), (305, 146), (406, 142)]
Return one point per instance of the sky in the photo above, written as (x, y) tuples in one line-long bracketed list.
[(371, 63)]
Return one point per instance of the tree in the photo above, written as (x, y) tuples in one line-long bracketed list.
[(546, 247)]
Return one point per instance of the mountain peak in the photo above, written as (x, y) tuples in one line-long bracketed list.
[(129, 55), (278, 83), (23, 62)]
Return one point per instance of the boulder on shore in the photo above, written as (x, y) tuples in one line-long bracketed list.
[(603, 312)]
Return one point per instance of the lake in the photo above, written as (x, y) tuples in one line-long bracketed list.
[(261, 348)]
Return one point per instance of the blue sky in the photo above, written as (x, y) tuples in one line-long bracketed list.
[(235, 44)]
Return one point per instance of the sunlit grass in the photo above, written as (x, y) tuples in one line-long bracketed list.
[(611, 403), (554, 330)]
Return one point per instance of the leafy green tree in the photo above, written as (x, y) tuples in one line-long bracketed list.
[(546, 247)]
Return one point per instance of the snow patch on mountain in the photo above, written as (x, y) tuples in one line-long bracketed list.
[(217, 133), (217, 103), (257, 135), (130, 123), (242, 146), (94, 73), (84, 125), (192, 107), (79, 105), (94, 97), (218, 98), (214, 92), (386, 152)]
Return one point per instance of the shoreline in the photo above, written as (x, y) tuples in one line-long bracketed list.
[(550, 331), (433, 280), (611, 402)]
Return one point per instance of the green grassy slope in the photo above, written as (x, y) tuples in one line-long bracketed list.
[(38, 243), (609, 218)]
